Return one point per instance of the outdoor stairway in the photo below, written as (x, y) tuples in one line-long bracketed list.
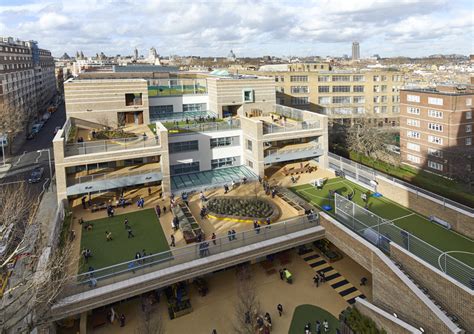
[(426, 292), (338, 282)]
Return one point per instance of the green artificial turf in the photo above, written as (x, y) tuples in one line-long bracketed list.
[(306, 313), (418, 225), (148, 235)]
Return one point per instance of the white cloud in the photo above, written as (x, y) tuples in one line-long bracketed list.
[(212, 27)]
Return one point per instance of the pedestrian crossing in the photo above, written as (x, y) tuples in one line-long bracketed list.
[(338, 282)]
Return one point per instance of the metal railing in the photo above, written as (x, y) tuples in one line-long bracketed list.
[(289, 126), (381, 232), (110, 145), (338, 162), (283, 151), (110, 175), (176, 256), (173, 87), (190, 115), (183, 129)]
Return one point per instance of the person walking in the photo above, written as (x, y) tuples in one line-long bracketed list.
[(158, 211), (326, 326), (125, 223), (229, 235), (316, 280), (130, 232), (280, 309), (108, 235), (281, 274), (122, 320), (318, 327), (234, 234), (274, 192), (213, 237), (172, 244), (83, 200), (257, 229)]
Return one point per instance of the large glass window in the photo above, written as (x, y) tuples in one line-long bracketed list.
[(341, 89), (299, 101), (184, 146), (158, 111), (341, 99), (299, 89), (341, 78), (249, 145), (224, 162), (194, 107), (184, 168), (323, 78), (324, 100), (224, 141), (299, 78), (323, 89), (358, 89)]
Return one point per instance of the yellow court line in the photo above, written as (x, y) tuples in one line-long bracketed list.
[(336, 280)]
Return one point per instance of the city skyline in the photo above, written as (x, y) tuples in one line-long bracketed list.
[(410, 28)]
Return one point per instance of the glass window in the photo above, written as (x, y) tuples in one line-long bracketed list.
[(414, 111), (359, 99), (299, 100), (413, 147), (224, 162), (435, 152), (413, 158), (468, 141), (413, 134), (323, 78), (435, 140), (435, 100), (159, 111), (299, 89), (435, 127), (413, 98), (358, 78), (194, 107), (413, 122), (248, 95), (358, 89), (324, 100), (435, 165), (323, 89), (341, 78), (299, 78), (468, 128), (184, 146), (249, 145), (224, 141), (468, 114), (184, 168), (341, 89), (341, 99)]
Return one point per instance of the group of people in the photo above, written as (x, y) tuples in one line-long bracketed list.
[(141, 202), (285, 275), (256, 226), (317, 328), (86, 253), (318, 278), (204, 249), (232, 235)]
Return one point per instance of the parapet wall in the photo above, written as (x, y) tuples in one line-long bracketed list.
[(453, 296), (460, 222), (384, 320), (392, 290)]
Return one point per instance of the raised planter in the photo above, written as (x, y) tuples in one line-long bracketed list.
[(243, 208)]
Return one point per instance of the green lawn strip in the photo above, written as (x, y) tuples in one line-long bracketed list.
[(429, 181), (306, 313), (414, 223), (148, 235)]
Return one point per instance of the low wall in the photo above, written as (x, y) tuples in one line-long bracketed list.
[(391, 288), (462, 223), (453, 296), (384, 320)]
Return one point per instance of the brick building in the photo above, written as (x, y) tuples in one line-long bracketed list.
[(436, 128)]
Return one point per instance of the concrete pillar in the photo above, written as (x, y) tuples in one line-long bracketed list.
[(83, 323)]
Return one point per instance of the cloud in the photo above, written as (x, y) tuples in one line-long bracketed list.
[(212, 27)]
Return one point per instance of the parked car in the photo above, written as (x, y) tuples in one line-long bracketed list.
[(36, 175), (36, 127), (56, 129)]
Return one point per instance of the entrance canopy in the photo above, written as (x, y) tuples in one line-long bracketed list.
[(211, 178)]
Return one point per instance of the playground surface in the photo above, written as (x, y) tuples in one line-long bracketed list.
[(445, 240), (148, 236), (306, 313)]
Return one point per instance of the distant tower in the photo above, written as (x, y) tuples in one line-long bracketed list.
[(153, 57), (231, 56), (355, 51), (135, 54)]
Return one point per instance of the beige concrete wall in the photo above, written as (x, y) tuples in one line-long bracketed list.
[(461, 223), (455, 298), (391, 289), (253, 130), (100, 100), (384, 320)]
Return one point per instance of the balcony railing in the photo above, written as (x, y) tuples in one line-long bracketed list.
[(181, 129), (167, 259), (110, 176), (269, 128), (288, 154), (176, 87), (110, 145)]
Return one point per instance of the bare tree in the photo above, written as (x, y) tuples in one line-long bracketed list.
[(368, 139), (151, 324), (247, 305), (461, 164), (14, 119), (40, 271)]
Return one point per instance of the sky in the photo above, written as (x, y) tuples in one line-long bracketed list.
[(249, 27)]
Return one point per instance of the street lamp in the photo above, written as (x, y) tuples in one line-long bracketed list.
[(49, 160)]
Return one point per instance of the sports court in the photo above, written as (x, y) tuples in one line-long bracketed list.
[(458, 246)]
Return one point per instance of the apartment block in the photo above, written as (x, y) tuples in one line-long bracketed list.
[(436, 128), (27, 79), (178, 132), (340, 94)]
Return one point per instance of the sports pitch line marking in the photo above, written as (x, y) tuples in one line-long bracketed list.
[(447, 253)]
